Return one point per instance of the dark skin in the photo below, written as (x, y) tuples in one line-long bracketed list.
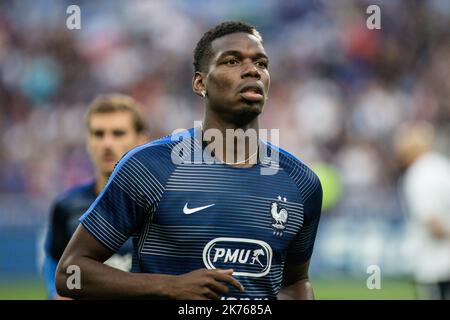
[(238, 61), (101, 281)]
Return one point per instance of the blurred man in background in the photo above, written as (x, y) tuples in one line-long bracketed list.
[(114, 126), (426, 187)]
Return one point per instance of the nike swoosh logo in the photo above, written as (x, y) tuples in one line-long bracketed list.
[(186, 210)]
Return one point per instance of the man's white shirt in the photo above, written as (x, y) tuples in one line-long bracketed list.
[(427, 193)]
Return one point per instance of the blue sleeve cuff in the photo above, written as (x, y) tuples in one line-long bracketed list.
[(49, 270)]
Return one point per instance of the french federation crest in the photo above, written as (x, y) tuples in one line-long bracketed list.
[(279, 216)]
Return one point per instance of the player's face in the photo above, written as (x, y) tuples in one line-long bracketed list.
[(238, 79), (110, 136)]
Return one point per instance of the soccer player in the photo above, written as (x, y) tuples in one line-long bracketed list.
[(201, 229), (115, 125)]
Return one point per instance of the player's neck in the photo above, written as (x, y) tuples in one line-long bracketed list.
[(100, 182), (234, 144)]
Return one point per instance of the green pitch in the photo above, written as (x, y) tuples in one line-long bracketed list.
[(356, 289), (22, 289), (329, 289)]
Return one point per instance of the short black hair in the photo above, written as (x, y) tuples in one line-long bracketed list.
[(203, 53)]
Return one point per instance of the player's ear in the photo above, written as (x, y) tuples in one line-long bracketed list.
[(198, 83)]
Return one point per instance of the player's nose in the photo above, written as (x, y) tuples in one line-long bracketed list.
[(250, 71), (108, 140)]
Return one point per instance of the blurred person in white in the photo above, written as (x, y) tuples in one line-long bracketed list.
[(426, 188), (115, 125)]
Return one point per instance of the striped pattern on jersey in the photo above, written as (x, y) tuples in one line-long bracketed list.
[(184, 216)]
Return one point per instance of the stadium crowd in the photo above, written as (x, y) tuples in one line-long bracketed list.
[(338, 90)]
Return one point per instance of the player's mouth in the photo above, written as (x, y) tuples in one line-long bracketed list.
[(252, 93), (108, 158)]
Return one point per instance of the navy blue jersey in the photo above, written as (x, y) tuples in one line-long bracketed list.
[(64, 219), (187, 216)]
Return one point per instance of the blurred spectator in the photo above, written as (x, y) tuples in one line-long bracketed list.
[(426, 187), (338, 89)]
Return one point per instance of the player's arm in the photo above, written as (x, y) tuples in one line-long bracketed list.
[(98, 280), (296, 283)]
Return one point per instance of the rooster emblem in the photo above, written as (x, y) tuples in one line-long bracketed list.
[(280, 217)]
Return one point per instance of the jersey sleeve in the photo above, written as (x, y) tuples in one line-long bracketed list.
[(56, 241), (49, 270), (58, 233), (301, 247), (122, 206)]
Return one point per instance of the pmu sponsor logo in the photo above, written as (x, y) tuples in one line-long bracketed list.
[(248, 257)]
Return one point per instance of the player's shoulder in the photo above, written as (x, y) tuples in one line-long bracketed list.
[(287, 161), (298, 170), (75, 195)]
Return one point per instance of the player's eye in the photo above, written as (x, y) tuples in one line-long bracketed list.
[(262, 64), (232, 61), (118, 133), (98, 133)]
